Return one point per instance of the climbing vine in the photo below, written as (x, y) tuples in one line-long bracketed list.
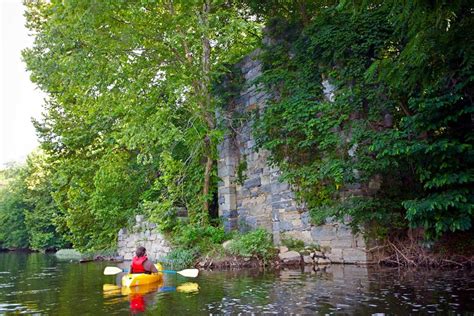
[(389, 150)]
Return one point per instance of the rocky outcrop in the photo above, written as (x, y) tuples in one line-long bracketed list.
[(290, 257), (308, 256)]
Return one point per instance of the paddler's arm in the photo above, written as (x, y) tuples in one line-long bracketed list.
[(149, 266)]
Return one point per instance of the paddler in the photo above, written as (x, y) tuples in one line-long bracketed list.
[(141, 264)]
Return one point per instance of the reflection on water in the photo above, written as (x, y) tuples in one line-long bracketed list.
[(137, 295), (40, 284), (349, 289)]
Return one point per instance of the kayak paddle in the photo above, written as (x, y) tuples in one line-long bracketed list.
[(189, 273)]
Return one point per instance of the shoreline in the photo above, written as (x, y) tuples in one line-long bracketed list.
[(283, 260)]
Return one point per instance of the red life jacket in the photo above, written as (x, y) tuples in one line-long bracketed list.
[(137, 264)]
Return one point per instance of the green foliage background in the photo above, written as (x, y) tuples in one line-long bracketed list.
[(395, 146), (28, 214), (133, 87)]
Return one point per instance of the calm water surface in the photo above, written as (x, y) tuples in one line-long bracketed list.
[(41, 284)]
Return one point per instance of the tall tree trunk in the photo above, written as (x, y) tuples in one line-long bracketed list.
[(206, 103), (207, 176)]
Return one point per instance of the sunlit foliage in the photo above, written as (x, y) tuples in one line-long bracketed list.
[(130, 119)]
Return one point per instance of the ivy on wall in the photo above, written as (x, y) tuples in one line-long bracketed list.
[(395, 147)]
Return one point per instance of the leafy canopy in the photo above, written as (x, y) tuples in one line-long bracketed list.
[(129, 122)]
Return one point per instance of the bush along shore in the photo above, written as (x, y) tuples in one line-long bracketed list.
[(75, 255), (255, 249), (283, 257), (453, 251), (400, 254)]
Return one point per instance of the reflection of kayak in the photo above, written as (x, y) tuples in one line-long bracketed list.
[(136, 279), (112, 294), (188, 287), (111, 290), (142, 288), (137, 303)]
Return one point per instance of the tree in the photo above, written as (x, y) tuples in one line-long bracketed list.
[(12, 209), (42, 215), (27, 210), (429, 76), (129, 86)]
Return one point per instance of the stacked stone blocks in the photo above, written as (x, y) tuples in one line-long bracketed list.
[(142, 234), (262, 199)]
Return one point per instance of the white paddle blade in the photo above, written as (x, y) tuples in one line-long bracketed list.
[(112, 270), (189, 273)]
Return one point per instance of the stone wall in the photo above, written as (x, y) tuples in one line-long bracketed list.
[(142, 234), (251, 193)]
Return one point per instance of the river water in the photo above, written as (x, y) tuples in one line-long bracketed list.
[(43, 285)]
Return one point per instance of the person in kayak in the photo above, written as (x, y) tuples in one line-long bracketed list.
[(141, 264)]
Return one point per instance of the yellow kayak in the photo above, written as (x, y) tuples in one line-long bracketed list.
[(136, 279)]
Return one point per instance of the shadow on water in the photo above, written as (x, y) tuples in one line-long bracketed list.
[(38, 283)]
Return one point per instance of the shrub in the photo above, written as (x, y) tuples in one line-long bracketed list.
[(256, 243), (69, 254), (197, 237), (180, 258), (293, 244)]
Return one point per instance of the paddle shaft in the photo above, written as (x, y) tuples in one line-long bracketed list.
[(189, 273), (164, 271)]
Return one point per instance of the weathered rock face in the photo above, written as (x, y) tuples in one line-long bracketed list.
[(251, 193), (142, 234)]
